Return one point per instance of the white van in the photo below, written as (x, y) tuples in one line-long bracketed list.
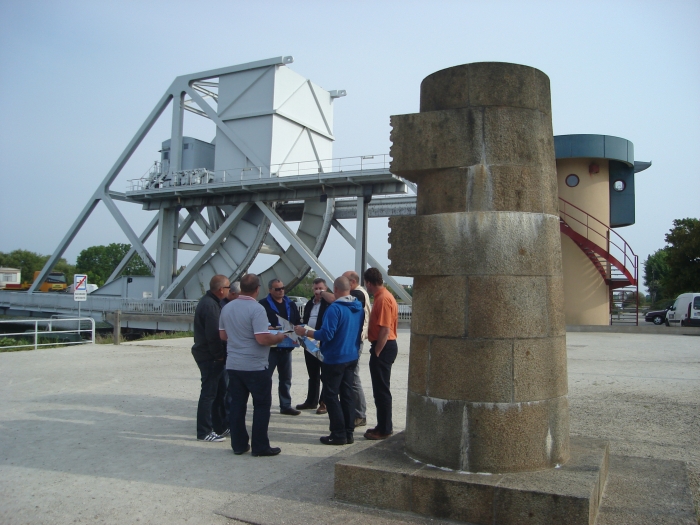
[(685, 311)]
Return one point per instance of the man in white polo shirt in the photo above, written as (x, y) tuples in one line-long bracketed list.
[(244, 325)]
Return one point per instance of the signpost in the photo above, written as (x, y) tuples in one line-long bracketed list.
[(80, 282)]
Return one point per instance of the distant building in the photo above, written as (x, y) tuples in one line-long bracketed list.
[(9, 276)]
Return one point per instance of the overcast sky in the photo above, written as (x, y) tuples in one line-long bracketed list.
[(79, 78)]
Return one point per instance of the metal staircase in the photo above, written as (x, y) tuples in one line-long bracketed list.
[(609, 253)]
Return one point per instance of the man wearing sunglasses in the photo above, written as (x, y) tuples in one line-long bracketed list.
[(277, 303), (209, 352)]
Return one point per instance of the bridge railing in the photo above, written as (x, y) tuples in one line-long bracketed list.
[(166, 307), (155, 180), (95, 304)]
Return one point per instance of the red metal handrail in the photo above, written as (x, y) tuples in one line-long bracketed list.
[(629, 259)]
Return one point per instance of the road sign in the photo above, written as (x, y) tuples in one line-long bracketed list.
[(80, 282)]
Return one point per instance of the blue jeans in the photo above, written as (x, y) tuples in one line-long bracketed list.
[(241, 384), (282, 360), (212, 410), (339, 398)]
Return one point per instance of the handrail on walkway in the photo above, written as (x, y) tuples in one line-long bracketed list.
[(600, 234), (53, 334), (155, 179)]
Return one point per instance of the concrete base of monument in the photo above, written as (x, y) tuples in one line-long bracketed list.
[(384, 476)]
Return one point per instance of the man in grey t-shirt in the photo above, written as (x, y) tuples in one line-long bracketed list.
[(244, 326)]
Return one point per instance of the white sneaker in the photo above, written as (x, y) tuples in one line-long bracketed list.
[(225, 433), (212, 437)]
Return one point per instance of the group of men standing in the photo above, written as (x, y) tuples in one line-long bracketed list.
[(237, 351)]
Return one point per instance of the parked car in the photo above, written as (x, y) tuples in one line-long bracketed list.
[(656, 316)]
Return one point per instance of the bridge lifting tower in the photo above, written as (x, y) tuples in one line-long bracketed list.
[(271, 162)]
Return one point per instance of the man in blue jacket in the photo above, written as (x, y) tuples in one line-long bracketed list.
[(340, 335), (277, 303)]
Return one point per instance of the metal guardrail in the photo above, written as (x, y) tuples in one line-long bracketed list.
[(64, 303), (51, 336), (166, 307), (405, 311), (622, 316), (155, 180)]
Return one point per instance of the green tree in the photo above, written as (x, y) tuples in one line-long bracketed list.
[(98, 262), (30, 262), (683, 257), (656, 269)]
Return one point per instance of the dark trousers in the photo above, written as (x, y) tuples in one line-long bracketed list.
[(212, 409), (282, 360), (339, 399), (380, 371), (313, 367), (241, 384)]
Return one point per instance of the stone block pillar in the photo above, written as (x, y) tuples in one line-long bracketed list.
[(487, 374)]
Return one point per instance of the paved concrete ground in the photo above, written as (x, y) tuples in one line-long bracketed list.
[(105, 434)]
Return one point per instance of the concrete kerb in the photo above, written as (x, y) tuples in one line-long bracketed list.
[(632, 329), (106, 434)]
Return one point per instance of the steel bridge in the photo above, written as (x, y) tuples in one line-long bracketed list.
[(270, 164)]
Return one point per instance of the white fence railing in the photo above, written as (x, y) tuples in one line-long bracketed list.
[(48, 332), (155, 180), (95, 304), (166, 307)]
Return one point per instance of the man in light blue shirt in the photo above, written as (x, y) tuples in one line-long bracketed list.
[(244, 326)]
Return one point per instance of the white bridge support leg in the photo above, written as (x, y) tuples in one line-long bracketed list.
[(372, 261), (166, 254), (303, 250), (102, 189), (143, 238), (361, 245), (211, 246), (129, 232)]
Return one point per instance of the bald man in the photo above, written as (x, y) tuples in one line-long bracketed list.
[(209, 351), (359, 293)]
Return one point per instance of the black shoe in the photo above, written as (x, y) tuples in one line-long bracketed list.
[(350, 439), (306, 406), (271, 451), (290, 412), (330, 440), (247, 448)]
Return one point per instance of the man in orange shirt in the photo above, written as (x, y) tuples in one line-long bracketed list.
[(383, 322)]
